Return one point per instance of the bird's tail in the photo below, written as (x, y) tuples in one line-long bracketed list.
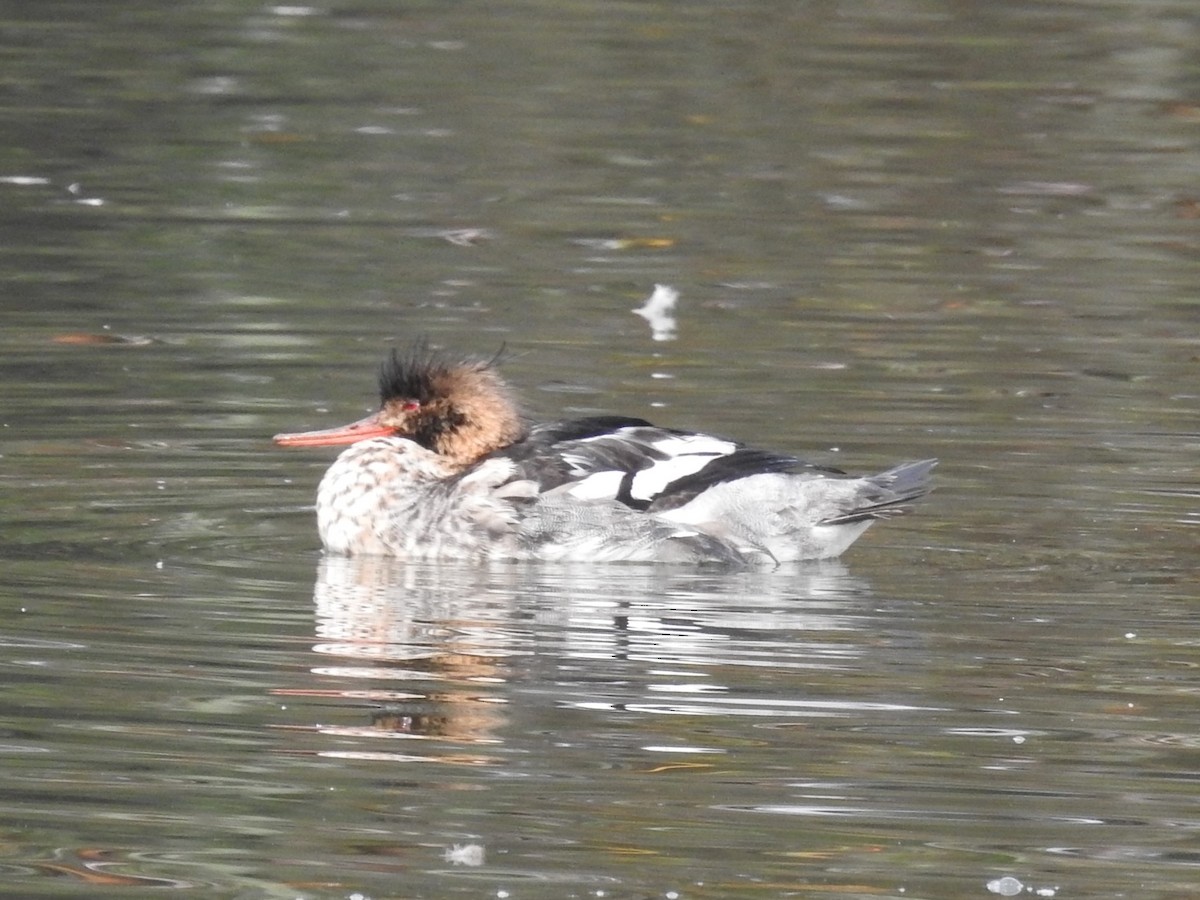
[(890, 493)]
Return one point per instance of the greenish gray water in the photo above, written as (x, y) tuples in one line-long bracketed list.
[(899, 230)]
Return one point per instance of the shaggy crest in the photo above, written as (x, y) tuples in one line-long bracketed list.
[(416, 373), (456, 407)]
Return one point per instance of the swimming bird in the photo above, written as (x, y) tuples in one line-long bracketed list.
[(449, 468)]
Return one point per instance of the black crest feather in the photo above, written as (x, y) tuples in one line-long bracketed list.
[(413, 374)]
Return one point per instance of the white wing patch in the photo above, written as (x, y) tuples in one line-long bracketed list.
[(686, 455), (650, 482), (679, 444), (598, 486), (577, 461)]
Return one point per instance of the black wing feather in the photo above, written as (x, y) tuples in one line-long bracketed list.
[(743, 462), (560, 453)]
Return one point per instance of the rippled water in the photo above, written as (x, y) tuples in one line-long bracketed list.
[(899, 230)]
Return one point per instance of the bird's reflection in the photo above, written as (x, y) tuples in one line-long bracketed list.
[(441, 652), (423, 645)]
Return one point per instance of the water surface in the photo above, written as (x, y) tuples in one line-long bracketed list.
[(899, 230)]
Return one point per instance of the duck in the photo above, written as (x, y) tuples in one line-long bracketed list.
[(449, 468)]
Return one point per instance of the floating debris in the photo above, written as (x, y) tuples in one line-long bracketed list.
[(83, 338), (466, 237), (464, 854), (23, 180), (659, 311)]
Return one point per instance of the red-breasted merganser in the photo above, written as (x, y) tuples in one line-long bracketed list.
[(447, 468)]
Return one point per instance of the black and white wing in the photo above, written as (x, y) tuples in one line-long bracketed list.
[(638, 464)]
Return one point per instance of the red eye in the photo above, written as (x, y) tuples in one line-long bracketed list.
[(410, 405)]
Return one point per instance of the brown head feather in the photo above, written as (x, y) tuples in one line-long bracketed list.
[(460, 409)]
